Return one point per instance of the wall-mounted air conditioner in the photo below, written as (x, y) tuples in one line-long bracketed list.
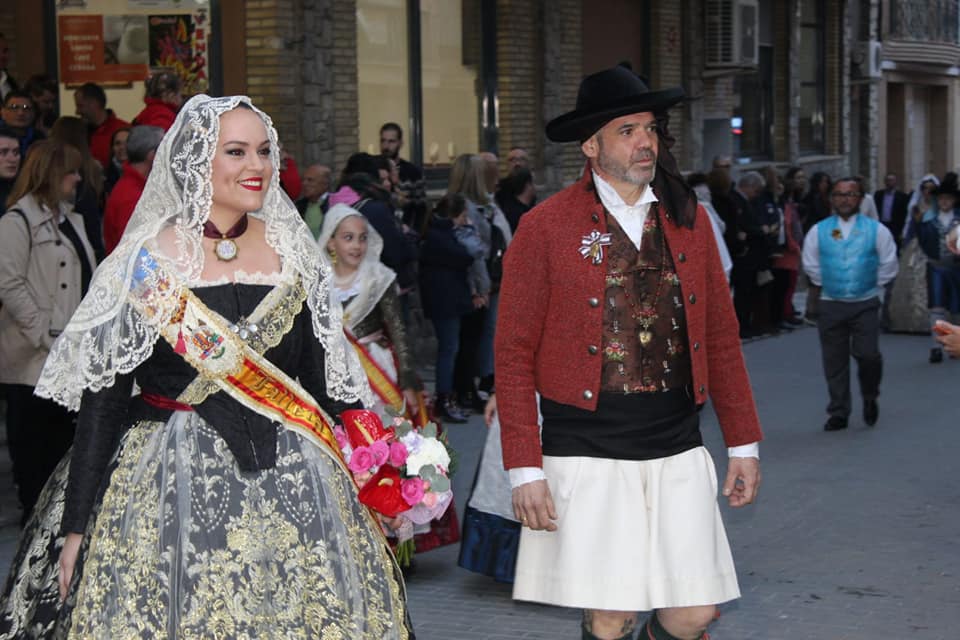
[(732, 33), (867, 58)]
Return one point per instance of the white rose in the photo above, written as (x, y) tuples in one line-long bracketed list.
[(430, 451)]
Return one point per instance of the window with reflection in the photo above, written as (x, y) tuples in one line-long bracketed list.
[(448, 41), (812, 71), (450, 70), (383, 73)]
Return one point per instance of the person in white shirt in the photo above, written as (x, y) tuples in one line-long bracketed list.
[(850, 258)]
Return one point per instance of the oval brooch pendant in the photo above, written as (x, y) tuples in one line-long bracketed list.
[(226, 250)]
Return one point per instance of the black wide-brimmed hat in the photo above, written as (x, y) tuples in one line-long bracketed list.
[(948, 186), (606, 95)]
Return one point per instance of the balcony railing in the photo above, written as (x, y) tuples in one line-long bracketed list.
[(925, 20)]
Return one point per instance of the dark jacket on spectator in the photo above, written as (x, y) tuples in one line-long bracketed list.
[(444, 265)]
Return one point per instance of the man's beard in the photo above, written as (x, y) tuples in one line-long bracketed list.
[(390, 154), (623, 173)]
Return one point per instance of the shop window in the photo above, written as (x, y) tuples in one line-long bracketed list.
[(449, 82), (383, 71), (418, 67)]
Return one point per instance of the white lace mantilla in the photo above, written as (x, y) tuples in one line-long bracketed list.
[(107, 336)]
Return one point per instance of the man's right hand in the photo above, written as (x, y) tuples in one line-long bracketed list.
[(68, 560), (533, 506)]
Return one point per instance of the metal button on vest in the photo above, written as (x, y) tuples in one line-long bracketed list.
[(63, 264), (592, 349), (595, 218), (588, 395), (593, 302), (63, 285), (702, 389), (682, 257), (692, 299), (696, 346)]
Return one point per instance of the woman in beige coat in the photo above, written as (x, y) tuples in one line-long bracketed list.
[(46, 262)]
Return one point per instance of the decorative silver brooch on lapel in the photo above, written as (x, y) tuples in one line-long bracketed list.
[(592, 244)]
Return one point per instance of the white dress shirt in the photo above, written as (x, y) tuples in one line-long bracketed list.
[(631, 219)]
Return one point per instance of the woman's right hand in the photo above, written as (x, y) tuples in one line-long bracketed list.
[(68, 559), (490, 410)]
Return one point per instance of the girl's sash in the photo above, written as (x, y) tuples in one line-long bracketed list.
[(385, 388)]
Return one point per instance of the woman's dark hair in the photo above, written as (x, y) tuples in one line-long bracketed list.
[(816, 179), (450, 206), (360, 163)]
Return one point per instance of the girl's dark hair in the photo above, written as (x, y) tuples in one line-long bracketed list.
[(450, 206)]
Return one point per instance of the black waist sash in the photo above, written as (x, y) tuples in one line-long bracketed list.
[(638, 426)]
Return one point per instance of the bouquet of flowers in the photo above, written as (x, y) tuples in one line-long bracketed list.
[(402, 471)]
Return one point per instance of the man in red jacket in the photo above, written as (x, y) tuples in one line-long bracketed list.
[(141, 148), (615, 309), (91, 101)]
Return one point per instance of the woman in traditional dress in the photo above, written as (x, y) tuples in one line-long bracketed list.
[(491, 531), (908, 295), (367, 291), (214, 503), (943, 267)]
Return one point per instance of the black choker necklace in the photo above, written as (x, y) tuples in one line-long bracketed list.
[(225, 248)]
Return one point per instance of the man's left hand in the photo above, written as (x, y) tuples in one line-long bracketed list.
[(743, 480)]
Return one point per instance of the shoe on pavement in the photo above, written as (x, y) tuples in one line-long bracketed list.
[(936, 355), (449, 410), (870, 412), (835, 423)]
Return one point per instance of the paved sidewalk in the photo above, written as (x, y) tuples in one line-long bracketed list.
[(854, 536)]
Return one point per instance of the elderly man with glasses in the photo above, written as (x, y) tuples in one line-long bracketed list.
[(850, 257), (18, 115)]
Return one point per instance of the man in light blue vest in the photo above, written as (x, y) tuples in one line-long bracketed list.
[(850, 258)]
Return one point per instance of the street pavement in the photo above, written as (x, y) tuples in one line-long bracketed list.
[(854, 536)]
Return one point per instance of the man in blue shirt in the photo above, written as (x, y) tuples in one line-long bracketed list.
[(850, 258)]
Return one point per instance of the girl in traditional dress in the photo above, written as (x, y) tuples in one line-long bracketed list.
[(215, 502), (367, 291)]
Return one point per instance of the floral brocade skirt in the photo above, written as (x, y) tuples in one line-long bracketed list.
[(185, 545)]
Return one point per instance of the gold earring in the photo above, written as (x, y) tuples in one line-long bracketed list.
[(333, 256)]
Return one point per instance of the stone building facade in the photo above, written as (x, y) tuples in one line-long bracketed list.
[(852, 86)]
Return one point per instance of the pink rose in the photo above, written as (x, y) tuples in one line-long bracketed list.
[(398, 454), (430, 500), (412, 490), (341, 435), (361, 460), (380, 451)]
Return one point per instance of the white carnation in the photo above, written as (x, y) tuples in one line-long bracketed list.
[(430, 451)]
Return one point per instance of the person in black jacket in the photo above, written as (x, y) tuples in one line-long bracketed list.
[(445, 291), (892, 206)]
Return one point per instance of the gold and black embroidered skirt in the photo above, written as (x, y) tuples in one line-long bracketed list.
[(184, 545)]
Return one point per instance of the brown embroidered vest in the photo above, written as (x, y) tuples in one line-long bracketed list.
[(644, 325)]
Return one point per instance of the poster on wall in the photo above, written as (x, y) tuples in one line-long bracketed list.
[(123, 49), (179, 43), (103, 49)]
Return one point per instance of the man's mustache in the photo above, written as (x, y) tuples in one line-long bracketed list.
[(644, 155)]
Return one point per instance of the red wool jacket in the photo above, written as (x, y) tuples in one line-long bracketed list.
[(549, 325), (120, 205), (156, 113), (101, 136)]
